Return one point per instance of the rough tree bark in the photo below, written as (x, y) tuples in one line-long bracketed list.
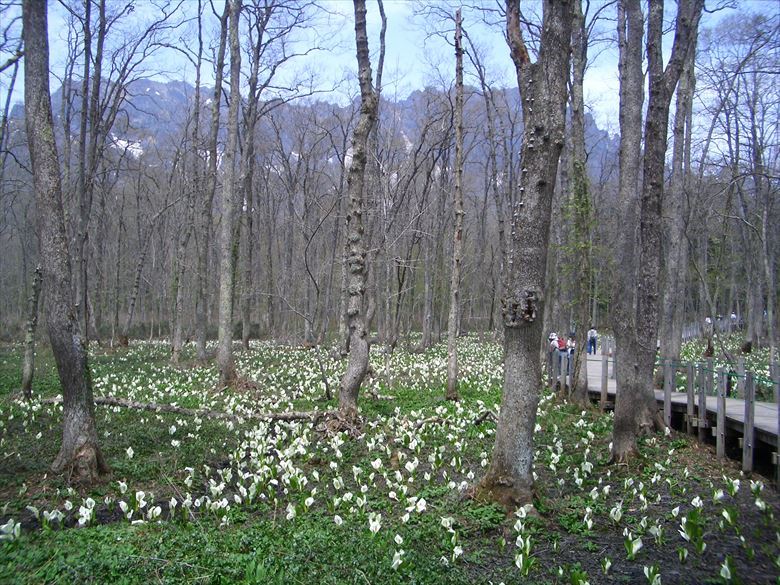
[(227, 256), (636, 323), (28, 369), (79, 456), (543, 91), (457, 239), (356, 252), (630, 34)]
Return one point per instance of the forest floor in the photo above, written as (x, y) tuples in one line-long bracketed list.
[(197, 500)]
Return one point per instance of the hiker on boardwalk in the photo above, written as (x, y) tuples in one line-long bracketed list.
[(562, 349), (592, 339)]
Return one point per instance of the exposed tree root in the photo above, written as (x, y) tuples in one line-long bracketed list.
[(84, 466), (624, 457), (502, 491), (343, 422)]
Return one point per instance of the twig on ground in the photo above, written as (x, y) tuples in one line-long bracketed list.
[(488, 414), (157, 407)]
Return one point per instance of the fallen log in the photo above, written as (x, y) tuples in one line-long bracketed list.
[(201, 412)]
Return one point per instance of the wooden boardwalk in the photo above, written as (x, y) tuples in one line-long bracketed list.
[(766, 415)]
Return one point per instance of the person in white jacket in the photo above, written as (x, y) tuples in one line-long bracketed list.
[(592, 339)]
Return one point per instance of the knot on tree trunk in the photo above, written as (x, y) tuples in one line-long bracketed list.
[(521, 307)]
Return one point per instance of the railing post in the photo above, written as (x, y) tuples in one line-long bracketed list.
[(741, 378), (690, 386), (701, 411), (774, 370), (720, 429), (613, 352), (747, 428), (604, 377), (564, 371), (550, 379), (667, 368)]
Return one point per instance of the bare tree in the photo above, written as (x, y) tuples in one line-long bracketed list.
[(206, 219), (457, 239), (79, 454), (509, 479), (580, 209), (193, 190), (227, 243), (356, 251)]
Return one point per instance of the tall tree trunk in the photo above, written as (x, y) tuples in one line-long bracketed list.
[(247, 176), (636, 411), (88, 156), (246, 292), (509, 479), (206, 217), (227, 369), (178, 296), (117, 270), (81, 186), (581, 207), (28, 369), (270, 318), (356, 252), (630, 34), (177, 288), (79, 455), (457, 239)]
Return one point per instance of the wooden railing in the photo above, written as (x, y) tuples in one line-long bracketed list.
[(688, 385)]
